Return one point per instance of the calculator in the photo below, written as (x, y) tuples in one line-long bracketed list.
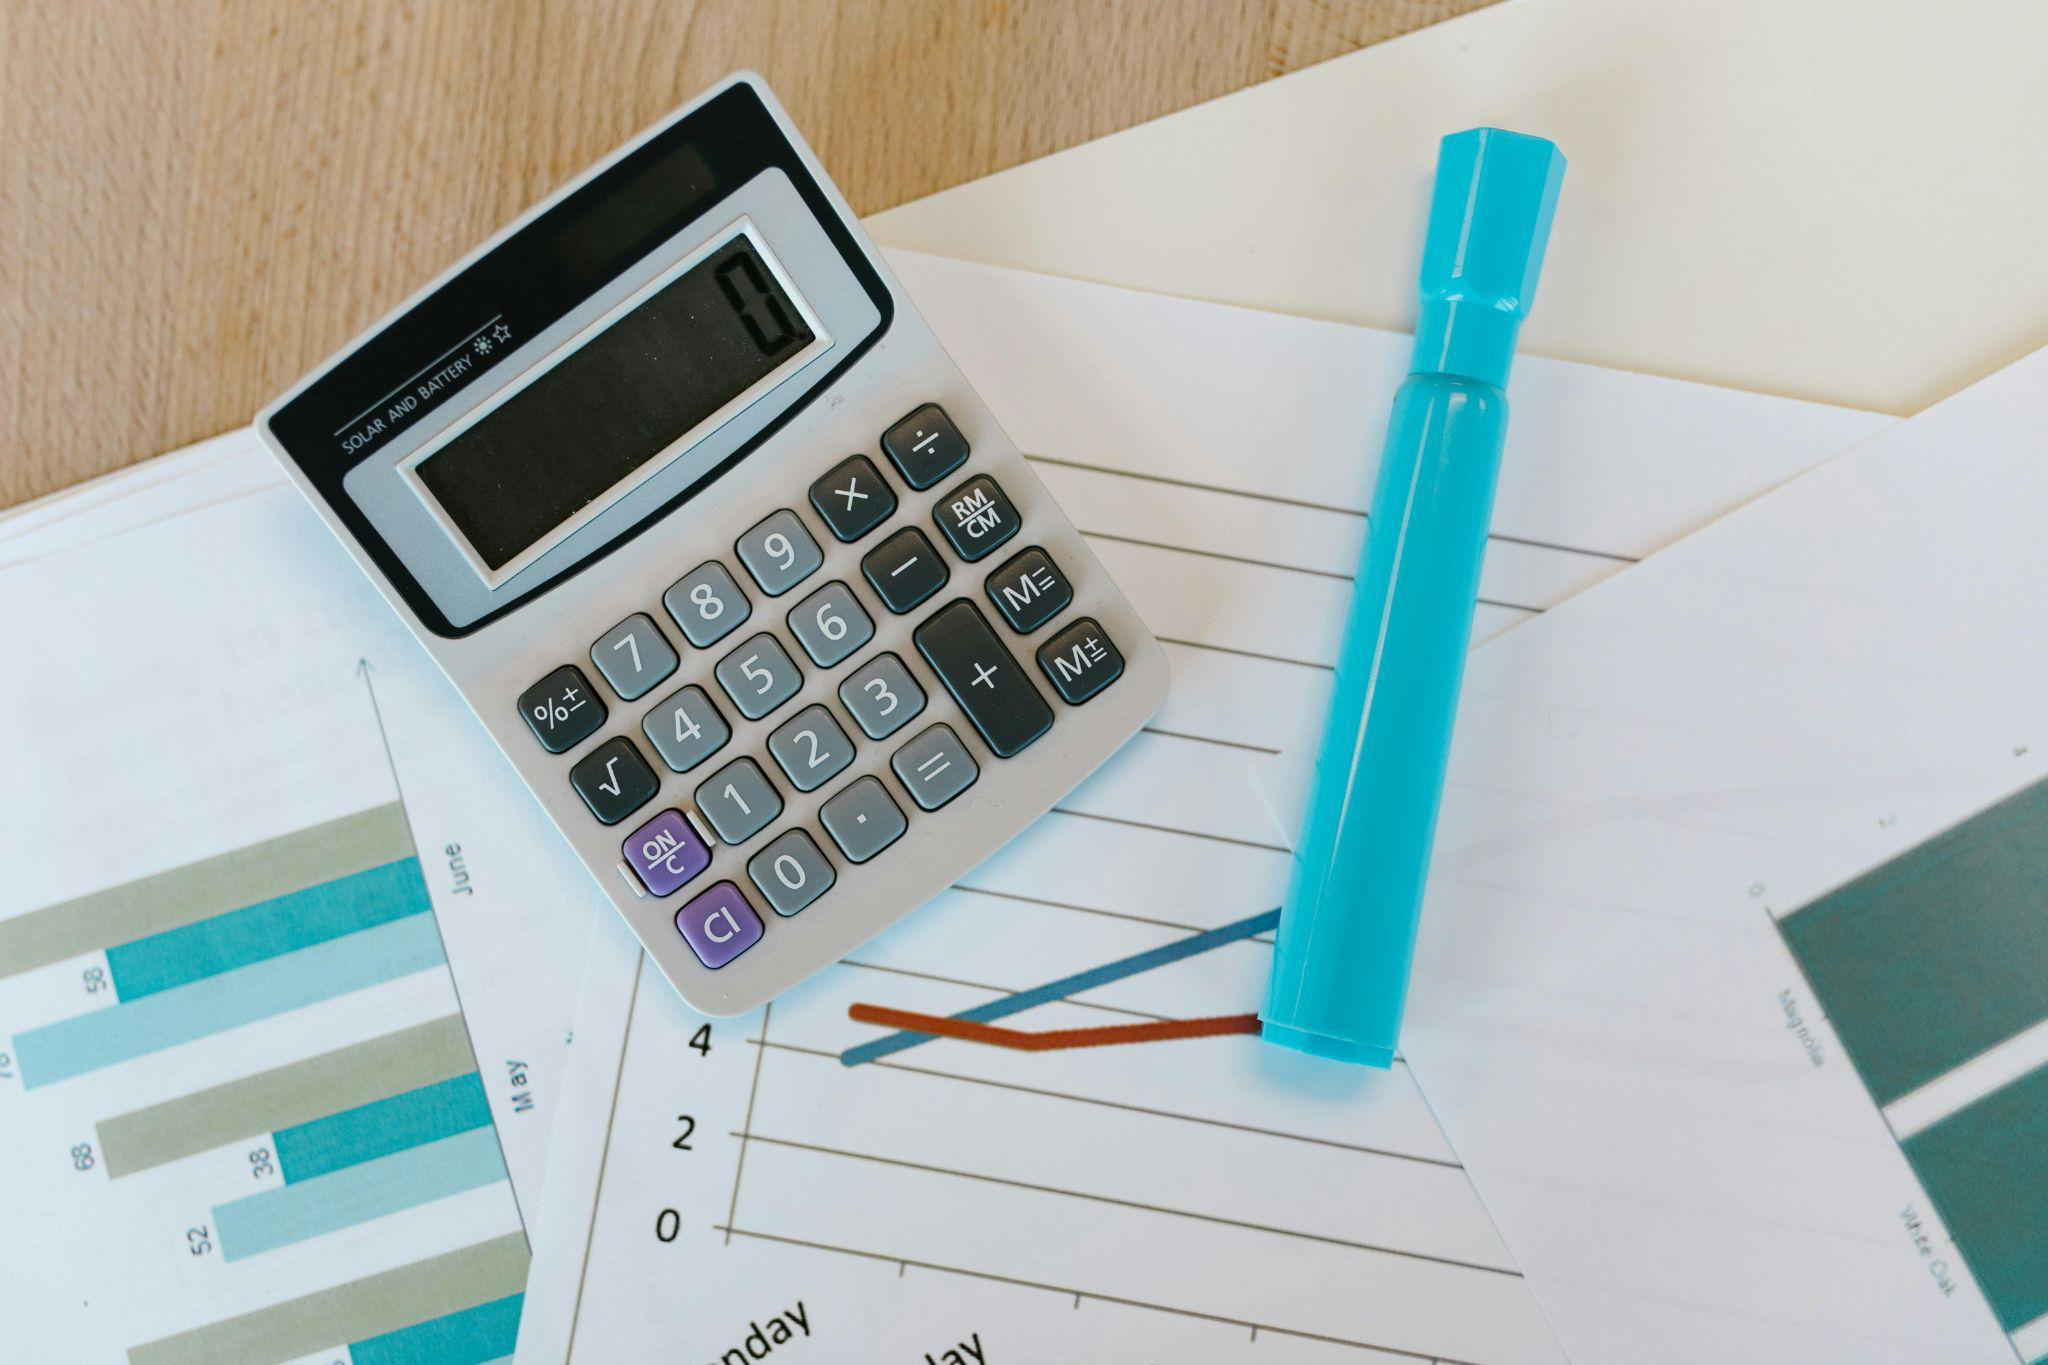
[(690, 504)]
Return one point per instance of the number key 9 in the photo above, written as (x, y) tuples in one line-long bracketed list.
[(780, 553)]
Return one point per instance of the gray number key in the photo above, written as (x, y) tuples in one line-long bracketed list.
[(707, 604), (881, 696), (759, 676), (830, 624), (633, 657), (935, 767), (811, 748), (780, 553), (791, 872), (862, 820), (738, 801), (686, 729)]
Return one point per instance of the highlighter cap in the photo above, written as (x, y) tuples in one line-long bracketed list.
[(1489, 219)]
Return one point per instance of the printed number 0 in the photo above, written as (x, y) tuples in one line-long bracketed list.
[(705, 599), (880, 691), (790, 872)]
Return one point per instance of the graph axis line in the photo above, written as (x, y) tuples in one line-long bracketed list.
[(604, 1161), (747, 1124), (1119, 1300), (1139, 1206), (364, 669), (1128, 1108)]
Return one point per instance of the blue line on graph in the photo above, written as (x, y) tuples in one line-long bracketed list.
[(1073, 985)]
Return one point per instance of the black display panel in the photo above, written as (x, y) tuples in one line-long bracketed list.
[(566, 439), (534, 277)]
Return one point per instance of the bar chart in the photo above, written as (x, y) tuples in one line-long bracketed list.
[(1933, 971), (313, 1118)]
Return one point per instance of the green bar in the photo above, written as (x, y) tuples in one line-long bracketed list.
[(1938, 955), (86, 1042), (365, 1308), (474, 1336), (356, 1194), (183, 895), (352, 1136), (1986, 1168), (267, 929), (289, 1095)]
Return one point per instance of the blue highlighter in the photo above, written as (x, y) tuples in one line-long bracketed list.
[(1347, 928)]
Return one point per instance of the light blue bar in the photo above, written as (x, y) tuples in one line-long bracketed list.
[(356, 1194), (59, 1051), (308, 1151), (267, 929), (475, 1336)]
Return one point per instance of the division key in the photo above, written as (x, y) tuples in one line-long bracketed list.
[(990, 685)]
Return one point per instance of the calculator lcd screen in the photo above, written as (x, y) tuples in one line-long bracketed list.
[(584, 426)]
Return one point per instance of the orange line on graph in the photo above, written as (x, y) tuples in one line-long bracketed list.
[(1052, 1040)]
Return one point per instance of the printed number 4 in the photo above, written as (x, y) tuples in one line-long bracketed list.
[(685, 727)]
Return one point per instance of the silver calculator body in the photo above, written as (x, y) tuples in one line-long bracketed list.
[(687, 500)]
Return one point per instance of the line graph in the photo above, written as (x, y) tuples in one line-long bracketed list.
[(1054, 1040), (928, 1027)]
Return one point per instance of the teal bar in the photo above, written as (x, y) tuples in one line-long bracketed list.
[(267, 929), (380, 1128), (1986, 1168), (1936, 956), (72, 1047), (356, 1194), (474, 1336)]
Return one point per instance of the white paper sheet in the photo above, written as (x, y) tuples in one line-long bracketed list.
[(1605, 1015), (1835, 199), (1209, 1199), (196, 668)]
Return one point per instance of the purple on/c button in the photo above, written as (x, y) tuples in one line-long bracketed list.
[(666, 852), (719, 925)]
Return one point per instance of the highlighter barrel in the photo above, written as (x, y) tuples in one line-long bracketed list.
[(1347, 927)]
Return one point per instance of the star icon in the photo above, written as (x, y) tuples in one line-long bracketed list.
[(501, 333)]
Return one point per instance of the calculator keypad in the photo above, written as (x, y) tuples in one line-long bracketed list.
[(976, 517), (779, 553), (719, 925), (853, 499), (686, 729), (633, 656), (904, 570), (791, 872), (811, 748), (666, 853), (1029, 590), (925, 446), (935, 767), (990, 685), (706, 604), (830, 625), (613, 780), (738, 801), (759, 676), (741, 800), (881, 696), (862, 820), (561, 710), (1081, 661)]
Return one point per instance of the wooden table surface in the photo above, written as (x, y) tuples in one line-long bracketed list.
[(199, 199)]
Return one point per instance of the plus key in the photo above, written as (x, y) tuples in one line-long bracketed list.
[(991, 686)]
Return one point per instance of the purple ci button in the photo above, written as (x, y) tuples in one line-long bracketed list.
[(719, 925), (666, 852)]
